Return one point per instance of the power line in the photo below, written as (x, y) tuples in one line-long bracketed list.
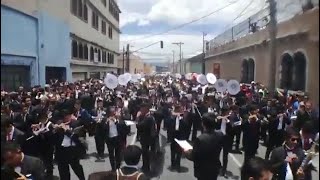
[(182, 25)]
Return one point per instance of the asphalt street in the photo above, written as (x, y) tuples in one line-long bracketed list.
[(161, 162)]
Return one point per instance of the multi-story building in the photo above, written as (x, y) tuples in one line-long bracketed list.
[(58, 39)]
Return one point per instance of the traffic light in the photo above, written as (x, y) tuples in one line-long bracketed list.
[(161, 44)]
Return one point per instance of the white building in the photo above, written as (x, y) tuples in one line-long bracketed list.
[(94, 31)]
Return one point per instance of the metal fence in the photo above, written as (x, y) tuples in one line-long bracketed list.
[(286, 9)]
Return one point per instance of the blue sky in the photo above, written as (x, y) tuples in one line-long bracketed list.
[(141, 18)]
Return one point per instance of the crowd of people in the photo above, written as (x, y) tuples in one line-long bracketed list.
[(51, 123)]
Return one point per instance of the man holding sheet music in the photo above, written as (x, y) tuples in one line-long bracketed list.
[(206, 150), (178, 130)]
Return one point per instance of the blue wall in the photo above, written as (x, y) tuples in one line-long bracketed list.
[(35, 42), (19, 40), (54, 44)]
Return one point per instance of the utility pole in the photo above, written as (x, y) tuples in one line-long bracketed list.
[(179, 44), (128, 58), (173, 61), (123, 61), (203, 51), (273, 43)]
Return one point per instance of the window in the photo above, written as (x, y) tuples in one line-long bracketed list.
[(110, 58), (99, 55), (85, 12), (80, 51), (104, 59), (103, 27), (97, 22), (251, 70), (104, 2), (93, 19), (80, 12), (74, 6), (74, 47), (91, 54), (299, 71), (85, 50), (113, 9), (286, 73), (245, 69), (110, 32)]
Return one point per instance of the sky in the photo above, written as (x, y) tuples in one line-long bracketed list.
[(142, 20)]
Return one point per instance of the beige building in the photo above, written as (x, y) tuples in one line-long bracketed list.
[(136, 64), (297, 65), (149, 69), (94, 31)]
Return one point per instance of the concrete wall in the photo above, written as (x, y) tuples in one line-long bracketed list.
[(19, 41), (300, 33), (196, 67), (55, 43)]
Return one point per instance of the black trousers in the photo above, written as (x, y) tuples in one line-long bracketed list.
[(263, 135), (236, 132), (69, 156), (275, 140), (114, 148), (100, 140), (176, 153), (46, 155), (212, 177), (227, 145), (148, 146), (248, 154)]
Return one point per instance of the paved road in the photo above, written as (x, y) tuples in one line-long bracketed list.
[(162, 162)]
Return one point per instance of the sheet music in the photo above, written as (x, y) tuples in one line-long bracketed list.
[(129, 123), (183, 144)]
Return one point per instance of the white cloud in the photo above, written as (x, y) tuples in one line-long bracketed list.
[(176, 12)]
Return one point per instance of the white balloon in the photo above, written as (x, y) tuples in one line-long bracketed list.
[(111, 81), (221, 85), (139, 76), (202, 79), (211, 78), (178, 76), (233, 87)]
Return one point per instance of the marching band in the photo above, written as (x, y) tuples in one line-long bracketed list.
[(53, 125)]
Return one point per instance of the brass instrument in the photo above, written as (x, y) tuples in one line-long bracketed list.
[(310, 154)]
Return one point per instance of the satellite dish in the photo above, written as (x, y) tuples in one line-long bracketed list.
[(123, 80), (188, 76), (221, 85), (202, 79), (111, 81), (211, 78), (233, 87)]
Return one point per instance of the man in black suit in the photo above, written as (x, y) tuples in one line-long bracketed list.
[(12, 133), (148, 133), (68, 146), (206, 150), (178, 129), (266, 112), (100, 134), (116, 131), (15, 159), (251, 133)]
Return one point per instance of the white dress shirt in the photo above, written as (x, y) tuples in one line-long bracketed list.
[(178, 118), (113, 131), (67, 142)]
